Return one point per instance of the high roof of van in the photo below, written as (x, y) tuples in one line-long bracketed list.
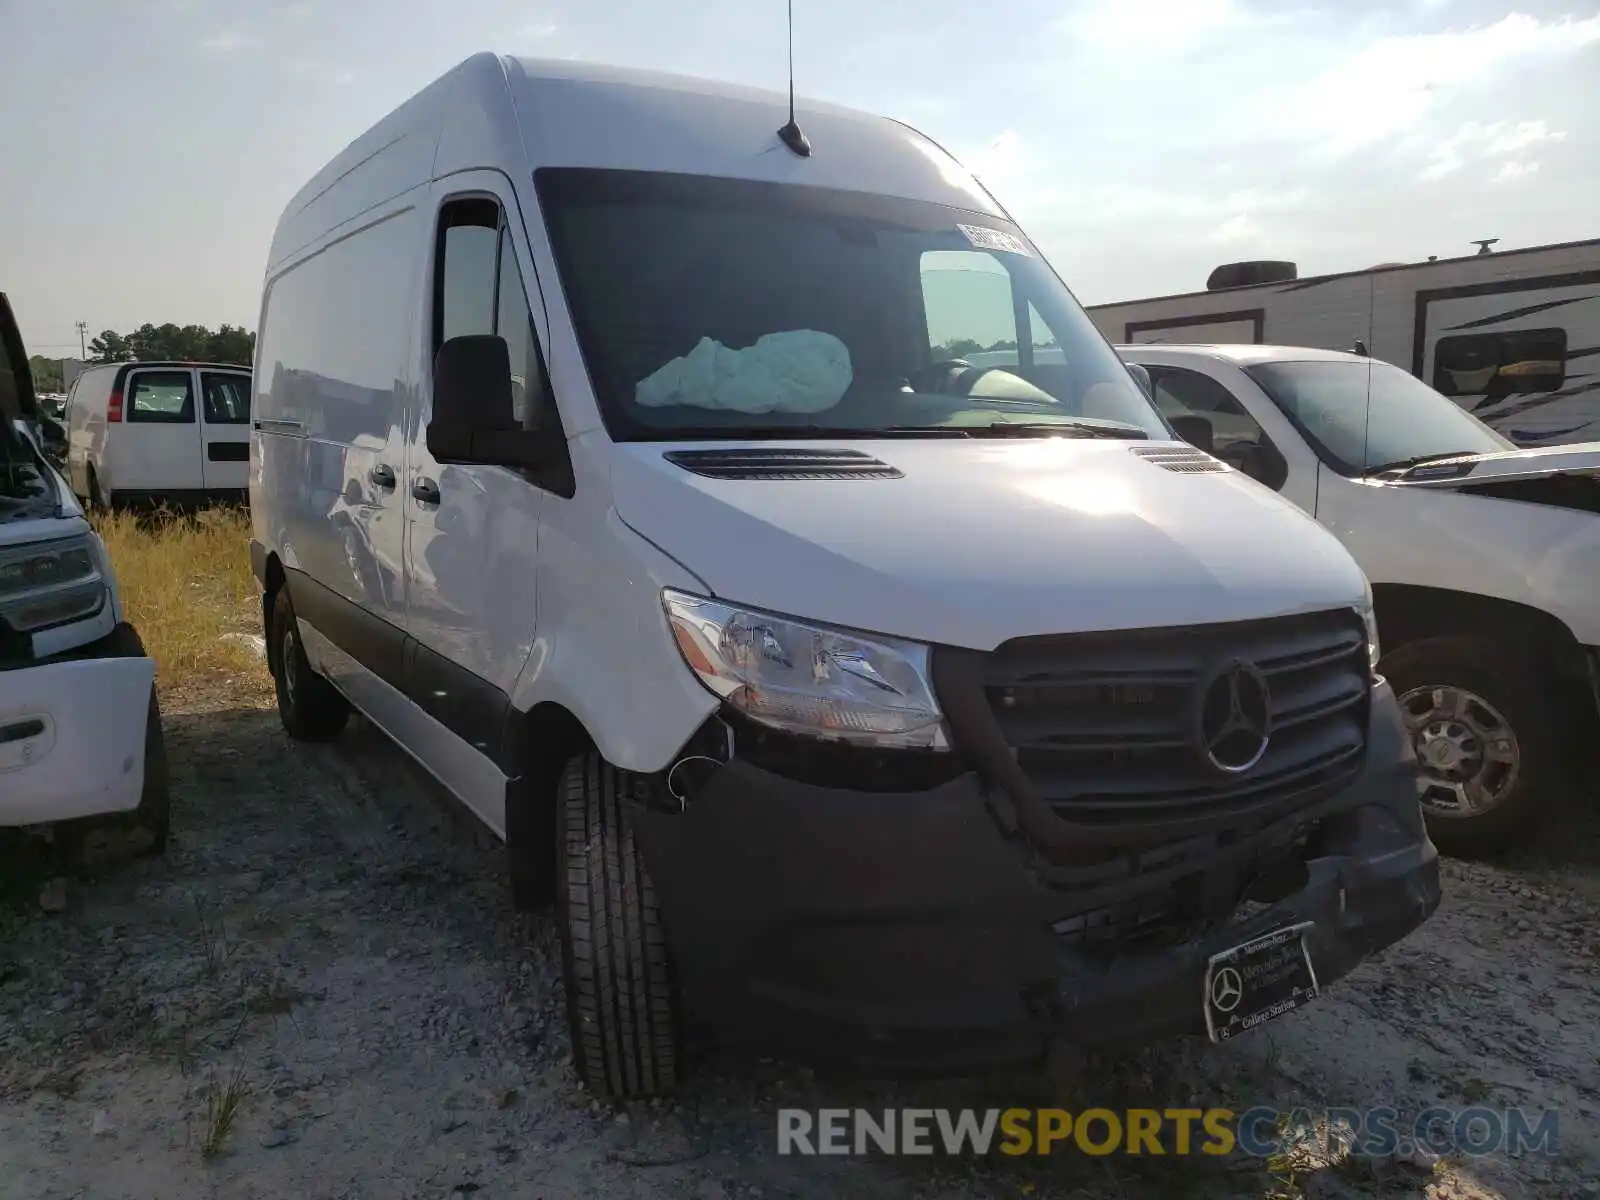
[(521, 114)]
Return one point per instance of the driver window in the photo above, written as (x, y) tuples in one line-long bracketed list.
[(1184, 393), (966, 296)]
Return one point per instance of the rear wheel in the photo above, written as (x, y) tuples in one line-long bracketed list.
[(311, 708), (1486, 742), (622, 1003)]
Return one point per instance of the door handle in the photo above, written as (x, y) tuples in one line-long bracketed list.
[(425, 490), (382, 476)]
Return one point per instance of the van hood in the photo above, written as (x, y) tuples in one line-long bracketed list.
[(973, 542), (1540, 462)]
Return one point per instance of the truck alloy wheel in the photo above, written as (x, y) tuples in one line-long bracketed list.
[(1489, 755), (1468, 752)]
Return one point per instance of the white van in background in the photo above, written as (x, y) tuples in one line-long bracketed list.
[(611, 454), (143, 434)]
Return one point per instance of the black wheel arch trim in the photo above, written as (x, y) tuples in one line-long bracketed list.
[(1410, 612)]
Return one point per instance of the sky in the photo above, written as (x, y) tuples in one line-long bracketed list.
[(149, 145)]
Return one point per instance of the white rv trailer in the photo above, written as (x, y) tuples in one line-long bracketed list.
[(1512, 336)]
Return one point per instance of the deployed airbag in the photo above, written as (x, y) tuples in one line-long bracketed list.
[(798, 371)]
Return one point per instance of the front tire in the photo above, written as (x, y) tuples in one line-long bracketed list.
[(1486, 742), (622, 1001), (311, 708)]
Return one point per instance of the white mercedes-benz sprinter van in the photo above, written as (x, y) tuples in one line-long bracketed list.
[(618, 457)]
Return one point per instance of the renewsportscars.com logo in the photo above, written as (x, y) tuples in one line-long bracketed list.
[(1259, 1132)]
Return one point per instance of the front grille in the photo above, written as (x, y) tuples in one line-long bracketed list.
[(1104, 725)]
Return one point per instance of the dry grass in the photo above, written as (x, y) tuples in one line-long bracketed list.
[(186, 584), (222, 1099)]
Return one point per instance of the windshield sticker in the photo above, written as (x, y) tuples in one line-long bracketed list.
[(993, 239)]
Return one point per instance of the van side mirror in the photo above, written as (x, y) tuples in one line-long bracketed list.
[(1141, 376), (1264, 463), (53, 432), (472, 408), (474, 418), (1197, 431)]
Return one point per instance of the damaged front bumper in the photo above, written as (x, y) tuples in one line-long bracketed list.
[(910, 928), (72, 732)]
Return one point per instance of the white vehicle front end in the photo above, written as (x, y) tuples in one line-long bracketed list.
[(78, 716), (1484, 560)]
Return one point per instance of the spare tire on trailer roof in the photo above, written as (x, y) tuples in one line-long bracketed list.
[(1248, 274)]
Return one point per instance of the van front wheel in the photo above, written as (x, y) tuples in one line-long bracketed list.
[(311, 708), (622, 1003)]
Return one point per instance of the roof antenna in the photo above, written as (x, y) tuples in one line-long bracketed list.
[(790, 134)]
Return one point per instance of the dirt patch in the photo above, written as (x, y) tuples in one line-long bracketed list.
[(323, 991)]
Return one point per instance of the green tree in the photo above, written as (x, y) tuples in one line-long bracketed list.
[(110, 347), (176, 343), (46, 373), (956, 348), (231, 344)]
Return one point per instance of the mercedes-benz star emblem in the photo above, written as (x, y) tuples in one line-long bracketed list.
[(1227, 989), (1235, 717)]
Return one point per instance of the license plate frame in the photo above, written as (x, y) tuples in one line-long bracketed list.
[(1257, 981)]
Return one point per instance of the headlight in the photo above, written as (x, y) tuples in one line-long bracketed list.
[(50, 583), (828, 683), (1369, 617)]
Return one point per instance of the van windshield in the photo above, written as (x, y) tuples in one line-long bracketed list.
[(711, 308), (1368, 416)]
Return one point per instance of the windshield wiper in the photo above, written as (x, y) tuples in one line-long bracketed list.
[(1091, 429), (1416, 460)]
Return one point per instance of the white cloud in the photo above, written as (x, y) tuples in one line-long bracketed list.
[(1126, 202), (1237, 228), (535, 30), (227, 41), (1512, 169), (1390, 85), (1499, 140), (1149, 27)]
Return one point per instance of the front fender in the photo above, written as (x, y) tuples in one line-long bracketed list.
[(603, 650)]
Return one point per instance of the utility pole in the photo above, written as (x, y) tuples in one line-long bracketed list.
[(83, 329)]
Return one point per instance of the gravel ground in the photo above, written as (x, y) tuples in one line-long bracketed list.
[(331, 953)]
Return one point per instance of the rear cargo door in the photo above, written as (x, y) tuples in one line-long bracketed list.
[(156, 446), (225, 429)]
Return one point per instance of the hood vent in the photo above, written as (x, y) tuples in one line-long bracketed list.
[(785, 463), (1184, 459)]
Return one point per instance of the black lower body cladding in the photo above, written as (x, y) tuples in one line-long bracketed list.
[(911, 928)]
